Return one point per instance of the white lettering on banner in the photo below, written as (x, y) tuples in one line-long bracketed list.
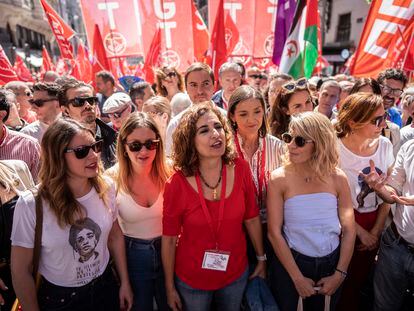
[(390, 9), (233, 7), (272, 10), (109, 7), (168, 26), (379, 27), (167, 10), (138, 20)]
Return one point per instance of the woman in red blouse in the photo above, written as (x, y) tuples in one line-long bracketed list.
[(206, 203)]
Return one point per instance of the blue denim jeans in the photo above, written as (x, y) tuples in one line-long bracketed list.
[(315, 268), (145, 273), (394, 273), (224, 299)]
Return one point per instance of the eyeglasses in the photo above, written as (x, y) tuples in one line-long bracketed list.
[(299, 84), (390, 90), (378, 120), (299, 141), (170, 75), (118, 114), (40, 102), (136, 146), (82, 152), (256, 76), (80, 101)]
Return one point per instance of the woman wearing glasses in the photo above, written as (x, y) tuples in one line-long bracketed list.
[(79, 229), (206, 203), (310, 216), (293, 98), (159, 109), (169, 82), (361, 120), (140, 176)]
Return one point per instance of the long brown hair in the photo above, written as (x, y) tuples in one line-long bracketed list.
[(53, 174), (161, 74)]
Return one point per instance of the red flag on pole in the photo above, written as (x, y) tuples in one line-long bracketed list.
[(7, 72), (218, 48), (47, 64), (201, 36), (22, 71), (100, 60), (152, 57), (63, 33), (83, 67), (232, 33)]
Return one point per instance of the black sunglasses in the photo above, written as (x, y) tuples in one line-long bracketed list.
[(80, 101), (82, 152), (299, 141), (378, 120), (170, 74), (40, 102), (136, 146), (118, 114), (300, 84)]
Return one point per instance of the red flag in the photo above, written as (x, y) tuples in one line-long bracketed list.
[(218, 50), (83, 67), (7, 72), (201, 36), (152, 57), (232, 33), (100, 61), (63, 33), (21, 70), (61, 67), (47, 64), (409, 58)]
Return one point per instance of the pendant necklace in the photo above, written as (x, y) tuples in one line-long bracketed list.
[(215, 187)]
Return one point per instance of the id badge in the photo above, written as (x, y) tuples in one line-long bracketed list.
[(215, 260)]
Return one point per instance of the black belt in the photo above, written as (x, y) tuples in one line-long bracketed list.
[(409, 246)]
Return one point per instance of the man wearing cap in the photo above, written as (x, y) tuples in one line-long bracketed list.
[(118, 107)]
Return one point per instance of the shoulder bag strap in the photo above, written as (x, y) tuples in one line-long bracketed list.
[(38, 234)]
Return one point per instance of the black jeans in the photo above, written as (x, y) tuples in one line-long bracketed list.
[(99, 294), (315, 268)]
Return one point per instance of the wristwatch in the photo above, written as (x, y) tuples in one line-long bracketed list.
[(261, 258)]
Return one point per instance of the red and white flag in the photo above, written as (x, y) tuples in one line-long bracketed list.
[(22, 71), (218, 49), (153, 57), (201, 36), (47, 63), (63, 33), (232, 34), (100, 61), (83, 68), (7, 72)]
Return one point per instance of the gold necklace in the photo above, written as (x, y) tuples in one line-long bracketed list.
[(213, 188)]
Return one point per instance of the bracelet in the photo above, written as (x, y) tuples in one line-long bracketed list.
[(343, 273), (261, 258)]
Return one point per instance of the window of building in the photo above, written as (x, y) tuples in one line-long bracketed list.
[(28, 4), (344, 28)]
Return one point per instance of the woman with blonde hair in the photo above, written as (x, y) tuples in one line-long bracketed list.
[(169, 82), (310, 216), (158, 107), (140, 176), (79, 229), (206, 203), (361, 119)]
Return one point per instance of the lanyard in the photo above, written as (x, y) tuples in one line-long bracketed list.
[(221, 208), (260, 167)]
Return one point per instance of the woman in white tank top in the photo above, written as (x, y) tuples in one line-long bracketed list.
[(310, 216)]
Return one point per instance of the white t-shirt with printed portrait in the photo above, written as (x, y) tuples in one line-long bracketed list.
[(74, 255)]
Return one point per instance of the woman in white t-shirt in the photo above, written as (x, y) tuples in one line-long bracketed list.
[(361, 120), (140, 177), (79, 229)]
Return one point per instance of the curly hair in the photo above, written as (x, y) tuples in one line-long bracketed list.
[(185, 156), (359, 108), (392, 73), (161, 74)]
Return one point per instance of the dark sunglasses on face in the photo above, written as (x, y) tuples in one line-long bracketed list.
[(40, 102), (83, 151), (117, 114), (170, 75), (378, 120), (300, 84), (80, 101), (299, 141), (136, 146)]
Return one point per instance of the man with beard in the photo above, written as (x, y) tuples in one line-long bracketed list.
[(78, 102), (392, 82)]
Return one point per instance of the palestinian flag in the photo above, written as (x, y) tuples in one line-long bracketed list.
[(300, 52)]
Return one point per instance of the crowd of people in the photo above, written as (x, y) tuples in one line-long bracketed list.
[(174, 196)]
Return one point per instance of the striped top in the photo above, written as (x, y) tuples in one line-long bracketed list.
[(18, 146)]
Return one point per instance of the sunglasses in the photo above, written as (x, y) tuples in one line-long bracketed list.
[(40, 102), (80, 101), (300, 84), (378, 120), (390, 90), (170, 75), (82, 152), (118, 114), (299, 141), (136, 146)]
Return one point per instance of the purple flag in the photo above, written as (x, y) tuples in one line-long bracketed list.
[(285, 12)]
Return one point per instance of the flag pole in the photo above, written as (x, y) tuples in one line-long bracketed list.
[(407, 50)]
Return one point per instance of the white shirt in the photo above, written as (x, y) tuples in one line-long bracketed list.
[(36, 129), (74, 255), (407, 133), (364, 199), (402, 179)]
